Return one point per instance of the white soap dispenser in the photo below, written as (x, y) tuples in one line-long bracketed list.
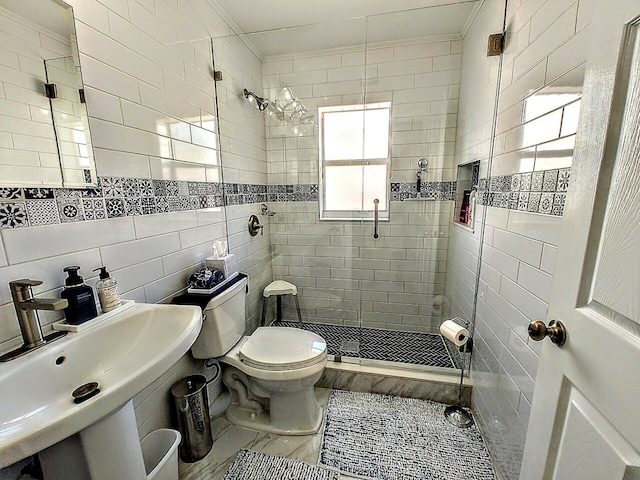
[(107, 289)]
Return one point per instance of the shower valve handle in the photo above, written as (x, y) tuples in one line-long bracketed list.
[(255, 226)]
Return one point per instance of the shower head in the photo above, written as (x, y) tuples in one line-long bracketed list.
[(262, 103), (265, 210)]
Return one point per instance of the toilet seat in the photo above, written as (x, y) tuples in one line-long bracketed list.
[(282, 349)]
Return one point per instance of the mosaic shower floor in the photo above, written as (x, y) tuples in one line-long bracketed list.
[(388, 345)]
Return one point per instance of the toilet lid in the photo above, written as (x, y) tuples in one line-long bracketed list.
[(283, 348)]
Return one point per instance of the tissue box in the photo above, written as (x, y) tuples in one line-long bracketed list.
[(226, 265)]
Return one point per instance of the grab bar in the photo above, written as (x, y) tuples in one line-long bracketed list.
[(375, 218)]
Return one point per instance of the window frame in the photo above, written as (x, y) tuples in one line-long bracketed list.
[(353, 215)]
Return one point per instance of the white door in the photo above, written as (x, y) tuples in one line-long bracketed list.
[(585, 420)]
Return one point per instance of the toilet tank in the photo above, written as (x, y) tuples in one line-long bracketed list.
[(223, 324)]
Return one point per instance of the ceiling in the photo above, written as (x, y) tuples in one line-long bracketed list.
[(255, 16), (280, 27), (53, 15)]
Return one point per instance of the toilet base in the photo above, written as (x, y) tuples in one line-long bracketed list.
[(247, 418), (285, 407)]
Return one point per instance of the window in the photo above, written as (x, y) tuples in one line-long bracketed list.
[(354, 161)]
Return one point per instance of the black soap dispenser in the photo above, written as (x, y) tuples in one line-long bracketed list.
[(82, 303)]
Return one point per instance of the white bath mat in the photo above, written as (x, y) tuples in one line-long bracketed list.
[(250, 465), (384, 437)]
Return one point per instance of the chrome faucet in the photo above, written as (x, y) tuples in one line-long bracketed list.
[(26, 306)]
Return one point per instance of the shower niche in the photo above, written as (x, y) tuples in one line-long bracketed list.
[(466, 200)]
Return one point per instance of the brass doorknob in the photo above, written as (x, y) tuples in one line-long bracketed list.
[(555, 331)]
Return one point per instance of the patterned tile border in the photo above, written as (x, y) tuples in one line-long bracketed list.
[(430, 191), (538, 192), (113, 197), (534, 192)]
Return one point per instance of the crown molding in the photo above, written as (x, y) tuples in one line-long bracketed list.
[(235, 28), (35, 26), (365, 47), (471, 18)]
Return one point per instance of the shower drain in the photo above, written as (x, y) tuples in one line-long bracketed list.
[(350, 346)]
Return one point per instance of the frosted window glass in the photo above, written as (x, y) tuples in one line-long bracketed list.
[(376, 133), (375, 186), (354, 159), (356, 134), (343, 138), (344, 186)]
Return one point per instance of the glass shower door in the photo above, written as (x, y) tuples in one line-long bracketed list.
[(313, 154), (310, 83)]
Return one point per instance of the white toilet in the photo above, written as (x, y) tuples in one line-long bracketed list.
[(270, 373)]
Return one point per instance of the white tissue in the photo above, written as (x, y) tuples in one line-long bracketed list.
[(219, 249), (454, 332)]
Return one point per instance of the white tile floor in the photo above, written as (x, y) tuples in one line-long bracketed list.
[(228, 439)]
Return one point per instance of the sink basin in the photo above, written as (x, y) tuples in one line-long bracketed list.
[(124, 354)]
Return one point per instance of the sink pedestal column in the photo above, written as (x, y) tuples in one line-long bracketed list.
[(108, 449)]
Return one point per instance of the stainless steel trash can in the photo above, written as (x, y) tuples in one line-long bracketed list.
[(192, 412)]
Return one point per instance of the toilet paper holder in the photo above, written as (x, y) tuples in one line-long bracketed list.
[(456, 414)]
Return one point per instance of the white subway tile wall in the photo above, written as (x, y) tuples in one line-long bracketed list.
[(242, 134), (340, 269), (545, 42), (337, 264), (479, 76), (152, 106), (151, 101)]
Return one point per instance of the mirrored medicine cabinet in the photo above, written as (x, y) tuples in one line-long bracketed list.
[(44, 131)]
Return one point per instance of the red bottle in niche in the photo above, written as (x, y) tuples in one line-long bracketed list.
[(464, 208)]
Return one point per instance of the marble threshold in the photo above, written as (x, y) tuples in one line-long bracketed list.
[(435, 384)]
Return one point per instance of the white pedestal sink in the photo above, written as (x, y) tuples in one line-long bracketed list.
[(97, 437)]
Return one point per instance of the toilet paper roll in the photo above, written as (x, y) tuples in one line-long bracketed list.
[(454, 332)]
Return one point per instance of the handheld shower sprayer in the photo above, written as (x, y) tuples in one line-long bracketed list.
[(423, 166), (261, 103)]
